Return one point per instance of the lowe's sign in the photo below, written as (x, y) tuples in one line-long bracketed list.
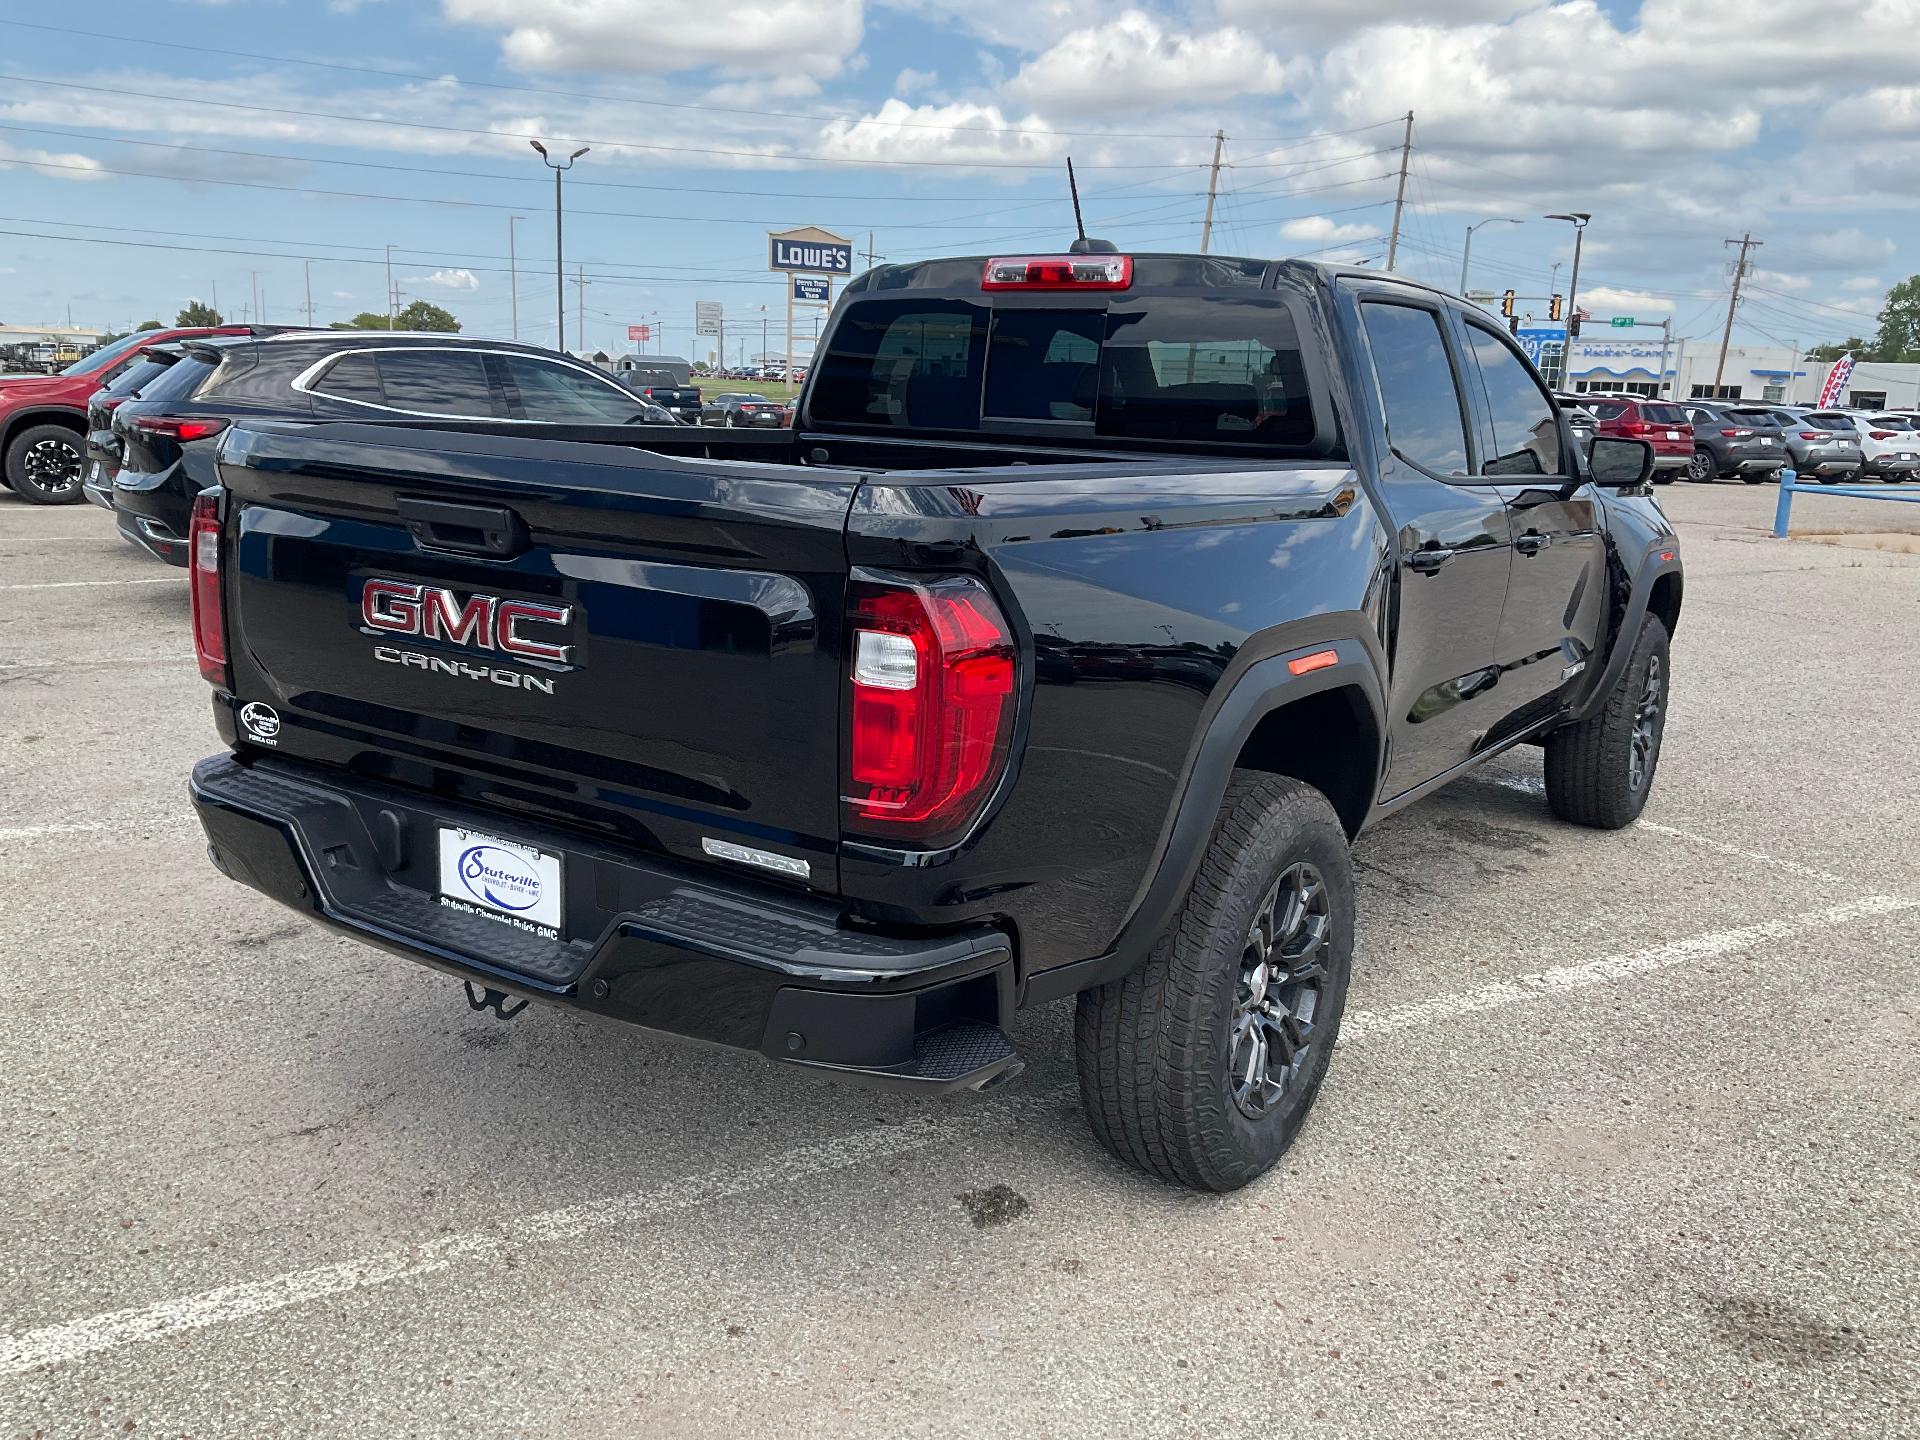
[(815, 257)]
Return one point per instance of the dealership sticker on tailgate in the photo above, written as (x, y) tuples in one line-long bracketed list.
[(501, 879)]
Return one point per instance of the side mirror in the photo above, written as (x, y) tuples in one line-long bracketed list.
[(1621, 464)]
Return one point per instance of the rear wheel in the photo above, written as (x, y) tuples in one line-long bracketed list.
[(44, 465), (1701, 467), (1200, 1067), (1600, 771)]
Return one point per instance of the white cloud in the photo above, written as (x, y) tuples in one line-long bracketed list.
[(958, 134), (1319, 230), (54, 164), (1327, 20), (1026, 25), (814, 37), (911, 81), (1131, 62), (1864, 284), (447, 280), (1781, 280), (1607, 300)]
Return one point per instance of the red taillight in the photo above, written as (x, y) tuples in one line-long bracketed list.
[(175, 427), (203, 570), (113, 402), (1883, 434), (932, 713), (1737, 434), (647, 390), (1058, 272), (1814, 435)]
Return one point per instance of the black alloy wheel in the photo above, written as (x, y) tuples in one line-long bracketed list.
[(1282, 969)]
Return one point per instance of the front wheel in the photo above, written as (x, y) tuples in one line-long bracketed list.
[(1600, 771), (1200, 1067), (44, 465)]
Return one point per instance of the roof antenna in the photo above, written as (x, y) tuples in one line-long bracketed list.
[(1083, 245)]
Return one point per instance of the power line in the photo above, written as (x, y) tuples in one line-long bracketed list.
[(1815, 304), (93, 36), (193, 102), (490, 175)]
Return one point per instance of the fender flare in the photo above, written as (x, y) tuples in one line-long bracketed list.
[(1264, 687), (25, 419), (1620, 651)]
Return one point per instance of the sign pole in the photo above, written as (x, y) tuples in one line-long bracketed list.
[(789, 376)]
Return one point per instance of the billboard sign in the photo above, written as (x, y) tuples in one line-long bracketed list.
[(1538, 340), (708, 318), (811, 289), (642, 333), (815, 257)]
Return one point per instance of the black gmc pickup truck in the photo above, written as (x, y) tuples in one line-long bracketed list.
[(1090, 609)]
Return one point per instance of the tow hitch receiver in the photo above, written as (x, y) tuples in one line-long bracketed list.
[(494, 1000)]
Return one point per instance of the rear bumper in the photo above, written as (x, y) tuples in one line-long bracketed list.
[(643, 940), (153, 536), (1887, 465), (1672, 462)]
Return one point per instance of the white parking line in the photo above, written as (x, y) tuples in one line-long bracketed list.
[(35, 832), (1720, 847), (180, 579), (1363, 1024), (75, 1339), (55, 1344)]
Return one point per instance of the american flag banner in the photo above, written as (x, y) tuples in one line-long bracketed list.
[(1836, 386)]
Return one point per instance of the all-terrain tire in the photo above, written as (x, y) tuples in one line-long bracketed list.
[(1600, 771), (1155, 1049)]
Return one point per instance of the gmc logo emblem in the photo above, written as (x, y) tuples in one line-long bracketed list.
[(486, 622)]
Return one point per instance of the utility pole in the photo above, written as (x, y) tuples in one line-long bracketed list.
[(255, 274), (389, 287), (1745, 242), (1400, 195), (580, 310), (868, 254), (513, 275), (1666, 343), (309, 269), (1213, 187)]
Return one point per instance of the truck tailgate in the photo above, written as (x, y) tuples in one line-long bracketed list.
[(617, 641)]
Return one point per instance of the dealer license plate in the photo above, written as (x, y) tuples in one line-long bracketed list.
[(503, 879), (1673, 434)]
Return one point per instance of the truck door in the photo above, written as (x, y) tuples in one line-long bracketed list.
[(1454, 554), (1558, 588)]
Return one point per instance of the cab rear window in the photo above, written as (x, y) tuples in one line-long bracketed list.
[(1209, 369)]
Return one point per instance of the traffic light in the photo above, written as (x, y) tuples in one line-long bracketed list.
[(1506, 304), (1513, 324), (1573, 326), (1554, 308)]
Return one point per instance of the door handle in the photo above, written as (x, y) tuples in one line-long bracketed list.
[(1532, 543), (1427, 562), (490, 530)]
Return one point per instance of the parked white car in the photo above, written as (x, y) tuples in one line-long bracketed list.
[(1889, 444)]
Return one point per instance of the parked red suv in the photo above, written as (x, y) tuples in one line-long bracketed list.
[(43, 418), (1661, 423)]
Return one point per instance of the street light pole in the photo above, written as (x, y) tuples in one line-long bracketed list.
[(513, 275), (559, 255), (1467, 253), (1578, 219)]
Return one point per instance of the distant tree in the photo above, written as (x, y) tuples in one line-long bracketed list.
[(425, 315), (1899, 337), (365, 320), (198, 312), (148, 325), (1854, 345)]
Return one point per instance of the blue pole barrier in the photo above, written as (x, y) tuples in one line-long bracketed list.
[(1783, 511)]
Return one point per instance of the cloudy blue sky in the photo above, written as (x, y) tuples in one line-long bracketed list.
[(167, 147)]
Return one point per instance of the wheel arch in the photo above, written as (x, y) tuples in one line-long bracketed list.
[(74, 420)]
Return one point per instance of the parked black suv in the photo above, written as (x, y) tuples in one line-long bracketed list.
[(166, 437), (1091, 607), (1726, 446)]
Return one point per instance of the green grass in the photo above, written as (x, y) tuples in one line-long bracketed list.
[(772, 389)]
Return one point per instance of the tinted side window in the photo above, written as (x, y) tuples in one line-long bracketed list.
[(352, 377), (438, 382), (135, 376), (1417, 386), (559, 395), (1044, 364), (1526, 438), (906, 363)]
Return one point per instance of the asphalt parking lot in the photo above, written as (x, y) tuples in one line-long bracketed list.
[(1624, 1136)]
